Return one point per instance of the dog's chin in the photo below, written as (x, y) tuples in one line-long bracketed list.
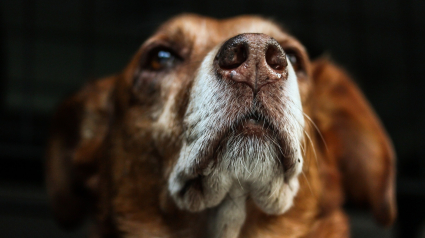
[(250, 156)]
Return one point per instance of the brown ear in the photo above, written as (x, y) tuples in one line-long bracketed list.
[(78, 129), (356, 140)]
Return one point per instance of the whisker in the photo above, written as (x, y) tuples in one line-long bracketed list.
[(277, 145), (236, 174), (318, 131), (309, 186), (306, 133), (305, 141), (312, 145), (312, 122)]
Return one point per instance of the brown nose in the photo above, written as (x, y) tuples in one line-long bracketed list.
[(252, 59)]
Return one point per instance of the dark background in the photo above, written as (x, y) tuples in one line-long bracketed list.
[(48, 48)]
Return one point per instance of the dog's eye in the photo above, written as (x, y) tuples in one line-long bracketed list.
[(295, 62), (161, 59)]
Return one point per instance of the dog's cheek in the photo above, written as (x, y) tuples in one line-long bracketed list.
[(146, 89), (168, 124)]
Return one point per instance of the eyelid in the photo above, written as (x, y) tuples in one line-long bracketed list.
[(174, 47), (293, 51), (156, 48)]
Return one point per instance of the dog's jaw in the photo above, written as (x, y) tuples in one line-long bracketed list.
[(215, 169)]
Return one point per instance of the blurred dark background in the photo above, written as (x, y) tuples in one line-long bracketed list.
[(49, 48)]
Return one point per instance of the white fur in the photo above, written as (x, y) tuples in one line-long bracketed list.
[(248, 166), (229, 215)]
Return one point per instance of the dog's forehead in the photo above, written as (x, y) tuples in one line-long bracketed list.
[(200, 31)]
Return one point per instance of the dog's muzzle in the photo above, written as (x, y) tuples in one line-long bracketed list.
[(245, 124)]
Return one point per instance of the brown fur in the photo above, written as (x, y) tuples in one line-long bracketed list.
[(107, 157)]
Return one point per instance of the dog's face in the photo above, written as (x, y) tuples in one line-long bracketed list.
[(208, 129), (231, 107)]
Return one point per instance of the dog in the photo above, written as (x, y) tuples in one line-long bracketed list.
[(219, 129)]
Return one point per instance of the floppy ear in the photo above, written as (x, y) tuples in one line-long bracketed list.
[(78, 129), (356, 140)]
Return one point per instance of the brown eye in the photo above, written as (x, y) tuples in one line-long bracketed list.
[(161, 59), (295, 62)]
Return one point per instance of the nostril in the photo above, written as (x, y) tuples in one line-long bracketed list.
[(232, 55), (275, 57), (253, 59)]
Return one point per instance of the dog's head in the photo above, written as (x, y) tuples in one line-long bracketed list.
[(211, 114)]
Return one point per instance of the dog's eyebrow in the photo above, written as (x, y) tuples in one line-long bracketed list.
[(180, 31), (175, 42)]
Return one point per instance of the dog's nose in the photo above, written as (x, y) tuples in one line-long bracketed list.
[(253, 59)]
